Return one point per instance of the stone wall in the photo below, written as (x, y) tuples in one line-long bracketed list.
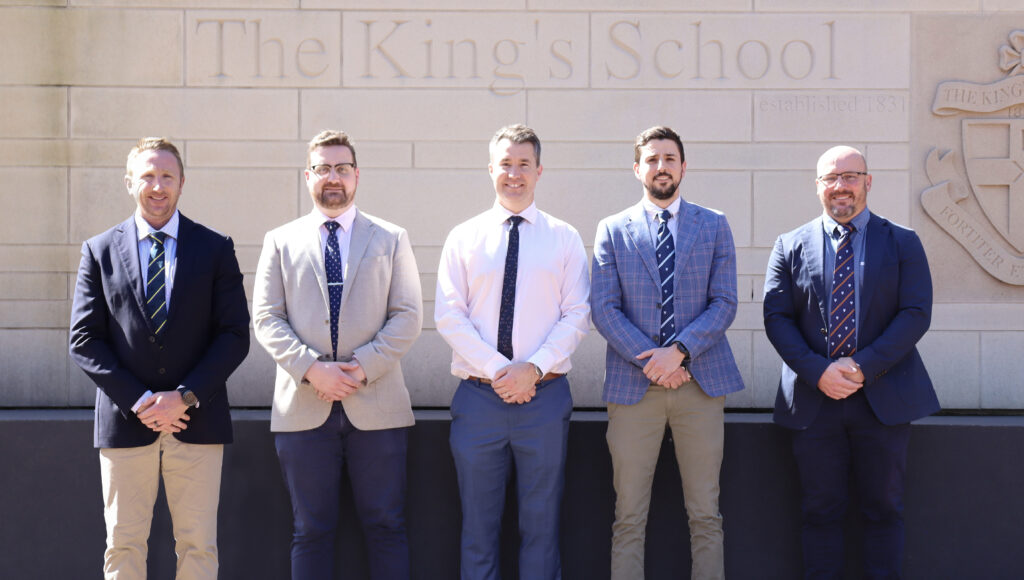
[(757, 88)]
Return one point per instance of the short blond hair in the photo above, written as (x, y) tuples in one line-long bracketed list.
[(154, 144), (331, 138)]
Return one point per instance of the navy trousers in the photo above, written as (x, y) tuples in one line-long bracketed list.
[(311, 462), (846, 437), (487, 435)]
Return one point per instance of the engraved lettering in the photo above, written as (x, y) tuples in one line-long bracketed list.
[(472, 61), (700, 50), (311, 47), (519, 83), (626, 48), (260, 45), (220, 40), (764, 57), (786, 67), (562, 58), (660, 67), (379, 49)]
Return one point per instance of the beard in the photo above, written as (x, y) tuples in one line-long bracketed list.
[(334, 198), (843, 211), (662, 191)]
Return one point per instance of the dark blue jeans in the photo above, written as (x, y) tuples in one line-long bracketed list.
[(311, 462)]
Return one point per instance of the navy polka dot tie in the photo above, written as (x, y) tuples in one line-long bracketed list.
[(332, 263), (842, 319), (156, 283), (508, 290), (666, 255)]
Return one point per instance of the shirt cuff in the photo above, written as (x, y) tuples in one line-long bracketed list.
[(142, 399)]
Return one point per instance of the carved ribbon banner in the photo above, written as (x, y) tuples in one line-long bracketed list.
[(942, 202)]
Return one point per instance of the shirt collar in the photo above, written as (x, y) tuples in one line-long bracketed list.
[(344, 220), (653, 210), (501, 214), (859, 222), (143, 228)]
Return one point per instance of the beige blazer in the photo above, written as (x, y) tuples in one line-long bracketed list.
[(381, 315)]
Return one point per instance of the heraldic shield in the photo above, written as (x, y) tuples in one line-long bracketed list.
[(994, 156)]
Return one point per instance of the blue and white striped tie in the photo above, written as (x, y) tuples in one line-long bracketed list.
[(666, 255)]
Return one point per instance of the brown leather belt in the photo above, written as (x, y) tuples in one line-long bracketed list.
[(547, 377)]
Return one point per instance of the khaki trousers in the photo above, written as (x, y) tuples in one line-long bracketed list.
[(635, 434), (131, 478)]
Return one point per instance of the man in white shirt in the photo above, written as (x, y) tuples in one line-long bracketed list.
[(512, 301), (337, 303)]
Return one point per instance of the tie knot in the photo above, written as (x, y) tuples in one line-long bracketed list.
[(664, 216), (515, 220), (158, 237), (332, 226), (844, 230)]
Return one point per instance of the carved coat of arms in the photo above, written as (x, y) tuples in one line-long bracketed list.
[(985, 212)]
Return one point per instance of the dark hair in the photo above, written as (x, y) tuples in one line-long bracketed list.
[(653, 133), (331, 138), (518, 134)]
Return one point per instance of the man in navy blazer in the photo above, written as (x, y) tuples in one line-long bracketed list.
[(852, 379), (160, 355), (663, 295)]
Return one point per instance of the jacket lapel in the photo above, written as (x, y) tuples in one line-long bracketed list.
[(362, 232), (636, 228), (310, 232), (687, 231), (814, 247), (872, 262), (127, 241)]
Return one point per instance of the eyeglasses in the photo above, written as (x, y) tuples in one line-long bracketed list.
[(342, 169), (847, 177)]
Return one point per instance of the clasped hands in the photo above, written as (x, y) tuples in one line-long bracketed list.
[(164, 412), (664, 366), (516, 383), (841, 379), (333, 381)]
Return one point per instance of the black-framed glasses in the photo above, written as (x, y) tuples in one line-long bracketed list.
[(341, 169), (847, 177)]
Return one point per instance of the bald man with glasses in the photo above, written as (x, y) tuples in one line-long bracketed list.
[(847, 297)]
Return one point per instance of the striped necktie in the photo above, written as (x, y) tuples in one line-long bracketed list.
[(666, 255), (156, 283), (842, 319)]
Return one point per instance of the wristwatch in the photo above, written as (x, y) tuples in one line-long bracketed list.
[(686, 354), (188, 397)]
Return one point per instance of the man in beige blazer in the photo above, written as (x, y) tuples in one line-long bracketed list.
[(337, 303)]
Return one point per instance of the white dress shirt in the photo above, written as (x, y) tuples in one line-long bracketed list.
[(170, 250), (344, 234), (552, 312), (652, 212)]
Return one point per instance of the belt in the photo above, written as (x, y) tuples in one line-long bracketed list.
[(547, 377)]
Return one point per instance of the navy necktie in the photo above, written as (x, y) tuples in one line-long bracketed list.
[(842, 319), (335, 279), (156, 283), (508, 290), (666, 255)]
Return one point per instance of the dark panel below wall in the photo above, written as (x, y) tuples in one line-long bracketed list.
[(964, 505)]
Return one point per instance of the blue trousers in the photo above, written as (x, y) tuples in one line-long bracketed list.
[(311, 462), (487, 435), (847, 436)]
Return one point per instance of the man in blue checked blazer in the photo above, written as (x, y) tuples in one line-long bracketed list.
[(663, 294), (852, 379)]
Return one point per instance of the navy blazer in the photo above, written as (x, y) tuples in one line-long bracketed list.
[(894, 313), (205, 339)]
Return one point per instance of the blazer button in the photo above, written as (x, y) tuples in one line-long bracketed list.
[(152, 339), (161, 370), (823, 331), (328, 321)]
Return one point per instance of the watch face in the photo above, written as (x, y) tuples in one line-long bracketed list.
[(189, 398)]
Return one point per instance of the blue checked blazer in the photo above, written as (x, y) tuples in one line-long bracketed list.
[(626, 299)]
